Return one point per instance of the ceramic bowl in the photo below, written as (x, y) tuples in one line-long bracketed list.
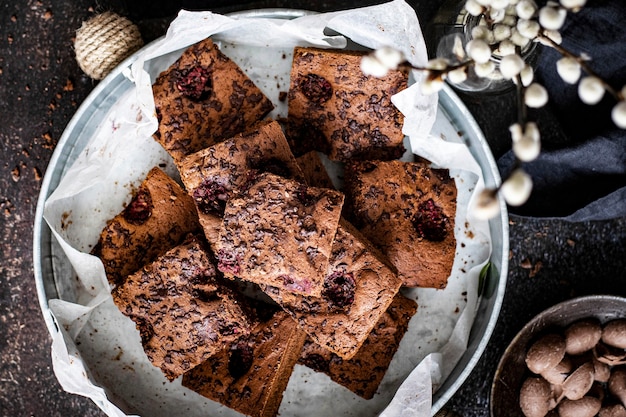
[(512, 370)]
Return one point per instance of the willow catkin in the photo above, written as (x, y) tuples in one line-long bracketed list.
[(104, 41)]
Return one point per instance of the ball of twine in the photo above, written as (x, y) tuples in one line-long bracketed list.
[(104, 41)]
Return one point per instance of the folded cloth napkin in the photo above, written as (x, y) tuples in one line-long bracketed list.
[(584, 177)]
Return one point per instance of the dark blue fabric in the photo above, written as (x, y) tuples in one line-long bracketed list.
[(583, 177)]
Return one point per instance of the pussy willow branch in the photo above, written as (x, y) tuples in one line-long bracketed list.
[(522, 114), (438, 73), (583, 64)]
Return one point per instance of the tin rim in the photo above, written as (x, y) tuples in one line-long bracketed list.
[(94, 106)]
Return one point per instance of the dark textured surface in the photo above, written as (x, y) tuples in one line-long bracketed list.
[(40, 89)]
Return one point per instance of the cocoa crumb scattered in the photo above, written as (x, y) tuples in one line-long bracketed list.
[(13, 18), (571, 242), (47, 15), (64, 220), (37, 174), (69, 85), (15, 174), (7, 207), (526, 264), (535, 270), (48, 141)]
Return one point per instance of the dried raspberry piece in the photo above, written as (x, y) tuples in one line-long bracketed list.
[(194, 82), (140, 207), (316, 88), (430, 222), (339, 289), (210, 197), (241, 358), (228, 262)]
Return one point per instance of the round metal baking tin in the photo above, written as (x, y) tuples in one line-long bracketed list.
[(50, 264)]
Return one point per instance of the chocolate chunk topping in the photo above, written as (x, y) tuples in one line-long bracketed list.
[(316, 88), (316, 362), (273, 165), (240, 361)]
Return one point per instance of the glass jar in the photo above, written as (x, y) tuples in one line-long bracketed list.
[(451, 30)]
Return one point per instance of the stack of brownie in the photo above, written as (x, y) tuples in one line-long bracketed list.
[(256, 262)]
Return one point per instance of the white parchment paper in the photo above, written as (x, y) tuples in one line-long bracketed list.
[(97, 351)]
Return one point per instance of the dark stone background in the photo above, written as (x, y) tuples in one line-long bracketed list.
[(41, 87)]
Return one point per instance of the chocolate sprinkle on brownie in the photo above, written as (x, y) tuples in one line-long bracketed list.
[(408, 210), (358, 288), (251, 376), (157, 218), (336, 109), (279, 232), (203, 98), (363, 373), (213, 174), (184, 311)]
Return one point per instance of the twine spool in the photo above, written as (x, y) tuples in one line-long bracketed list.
[(104, 41)]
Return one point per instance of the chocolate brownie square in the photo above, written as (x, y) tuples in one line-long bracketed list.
[(358, 288), (279, 232), (202, 98), (407, 209), (251, 376), (363, 373), (336, 109), (213, 174), (184, 312), (158, 217)]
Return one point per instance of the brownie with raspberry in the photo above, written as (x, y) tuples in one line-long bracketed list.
[(407, 209), (158, 217), (251, 376), (336, 109), (202, 98), (213, 174), (358, 288), (184, 311), (279, 232), (363, 373)]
